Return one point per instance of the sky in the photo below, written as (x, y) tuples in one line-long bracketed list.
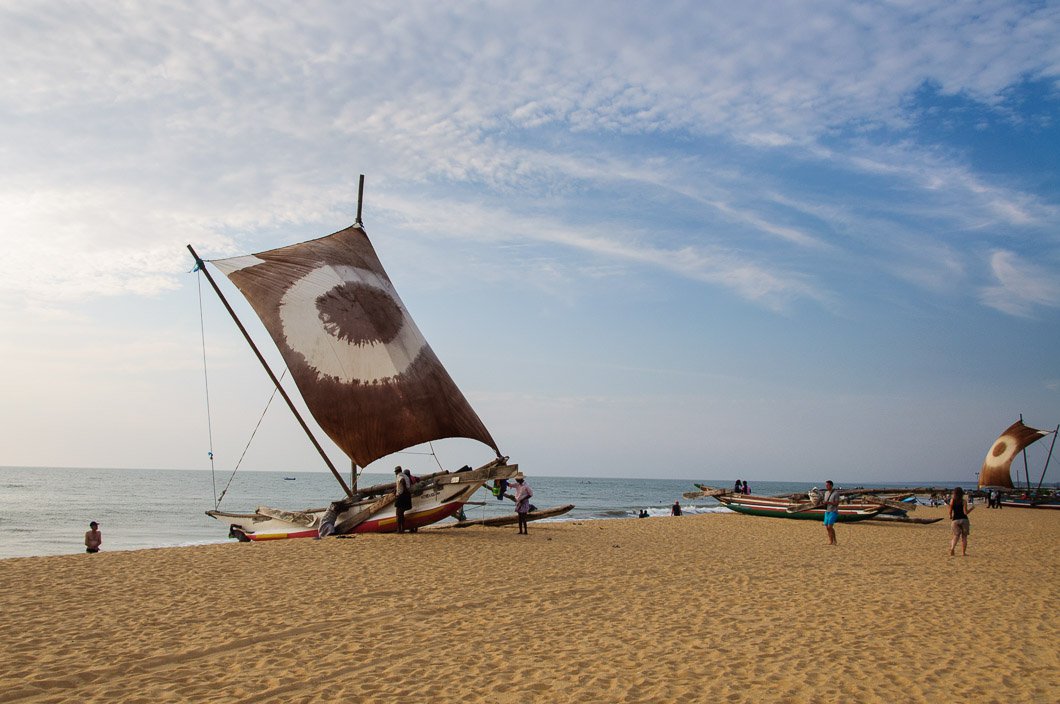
[(647, 239)]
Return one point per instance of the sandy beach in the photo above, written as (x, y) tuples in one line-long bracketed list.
[(696, 608)]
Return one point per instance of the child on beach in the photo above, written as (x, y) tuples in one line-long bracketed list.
[(93, 538)]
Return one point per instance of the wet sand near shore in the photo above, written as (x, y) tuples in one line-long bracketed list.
[(695, 608)]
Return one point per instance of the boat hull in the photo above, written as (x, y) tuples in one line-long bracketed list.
[(512, 519), (1050, 503), (778, 508), (438, 500)]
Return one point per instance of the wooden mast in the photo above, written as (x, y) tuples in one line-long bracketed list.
[(360, 198), (201, 265), (1026, 469), (1047, 458)]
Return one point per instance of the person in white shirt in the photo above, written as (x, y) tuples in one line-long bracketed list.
[(403, 491), (523, 492)]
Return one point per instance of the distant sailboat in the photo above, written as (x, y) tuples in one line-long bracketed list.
[(365, 372), (996, 473)]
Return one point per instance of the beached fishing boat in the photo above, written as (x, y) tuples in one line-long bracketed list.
[(511, 519), (789, 508), (859, 504), (996, 472), (367, 376)]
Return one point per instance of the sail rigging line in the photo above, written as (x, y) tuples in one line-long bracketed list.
[(206, 383), (239, 462), (435, 456), (268, 370), (432, 453)]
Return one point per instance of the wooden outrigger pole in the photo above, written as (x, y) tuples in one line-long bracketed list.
[(202, 267), (1026, 469), (1047, 458)]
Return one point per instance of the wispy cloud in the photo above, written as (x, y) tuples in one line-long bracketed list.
[(772, 287), (1021, 285), (132, 130)]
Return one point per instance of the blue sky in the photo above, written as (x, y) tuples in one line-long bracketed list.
[(686, 240)]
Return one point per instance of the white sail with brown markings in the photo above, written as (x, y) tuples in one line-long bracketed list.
[(995, 471), (362, 366)]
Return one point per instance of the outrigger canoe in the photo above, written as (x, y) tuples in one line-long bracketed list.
[(786, 508), (512, 519)]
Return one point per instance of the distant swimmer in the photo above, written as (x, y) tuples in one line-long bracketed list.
[(93, 538), (643, 513)]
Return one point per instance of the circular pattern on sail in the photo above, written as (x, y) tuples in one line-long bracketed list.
[(349, 324), (1002, 452)]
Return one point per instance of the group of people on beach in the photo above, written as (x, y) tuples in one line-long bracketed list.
[(958, 505), (404, 481)]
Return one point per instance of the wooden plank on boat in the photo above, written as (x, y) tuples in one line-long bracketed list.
[(888, 503), (798, 508), (704, 493), (299, 518), (512, 519), (358, 518)]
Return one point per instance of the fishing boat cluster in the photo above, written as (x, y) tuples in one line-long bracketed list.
[(374, 386)]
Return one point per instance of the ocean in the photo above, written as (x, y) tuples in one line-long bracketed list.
[(46, 511)]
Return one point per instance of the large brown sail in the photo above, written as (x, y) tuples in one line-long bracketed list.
[(362, 366), (995, 471)]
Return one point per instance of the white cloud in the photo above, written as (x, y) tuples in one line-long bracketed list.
[(141, 127), (1021, 285)]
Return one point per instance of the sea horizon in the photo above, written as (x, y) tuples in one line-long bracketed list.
[(46, 510)]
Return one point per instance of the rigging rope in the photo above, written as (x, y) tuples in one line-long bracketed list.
[(251, 440), (435, 455), (206, 382), (209, 420)]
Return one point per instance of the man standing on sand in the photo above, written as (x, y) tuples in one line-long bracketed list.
[(523, 492), (93, 538), (403, 490), (831, 510)]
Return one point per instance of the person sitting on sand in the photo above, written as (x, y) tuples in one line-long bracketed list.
[(523, 492), (959, 510), (93, 538), (737, 488), (675, 510), (831, 510)]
